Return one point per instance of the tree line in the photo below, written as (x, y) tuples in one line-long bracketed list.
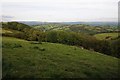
[(70, 38)]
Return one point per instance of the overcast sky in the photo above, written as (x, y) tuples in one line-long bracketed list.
[(59, 10)]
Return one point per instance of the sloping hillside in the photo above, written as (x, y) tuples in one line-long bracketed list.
[(106, 36), (8, 31), (24, 59)]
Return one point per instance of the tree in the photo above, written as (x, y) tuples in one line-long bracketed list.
[(51, 36)]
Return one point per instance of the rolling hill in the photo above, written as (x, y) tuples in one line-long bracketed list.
[(26, 59), (88, 23), (82, 28)]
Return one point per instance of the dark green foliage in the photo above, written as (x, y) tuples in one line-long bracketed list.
[(52, 36), (14, 26), (115, 47)]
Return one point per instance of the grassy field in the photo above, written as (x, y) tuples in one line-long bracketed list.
[(103, 36), (9, 31), (23, 59)]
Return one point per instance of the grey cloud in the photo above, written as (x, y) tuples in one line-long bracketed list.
[(4, 16), (7, 18)]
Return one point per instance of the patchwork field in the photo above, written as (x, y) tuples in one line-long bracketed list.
[(25, 59), (103, 36)]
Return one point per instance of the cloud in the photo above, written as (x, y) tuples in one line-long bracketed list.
[(60, 10), (7, 18), (4, 16)]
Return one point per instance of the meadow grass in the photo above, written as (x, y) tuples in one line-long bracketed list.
[(55, 61)]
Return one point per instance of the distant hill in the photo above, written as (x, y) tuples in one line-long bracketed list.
[(95, 23), (88, 23), (30, 23), (83, 28)]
